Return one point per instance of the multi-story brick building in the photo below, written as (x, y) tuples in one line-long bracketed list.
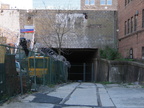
[(98, 4), (131, 28), (4, 6)]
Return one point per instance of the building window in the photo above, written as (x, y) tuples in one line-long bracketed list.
[(131, 24), (109, 2), (143, 53), (92, 2), (135, 22), (103, 2), (131, 53), (86, 2), (143, 18), (89, 2), (106, 2), (125, 27), (128, 25), (125, 2)]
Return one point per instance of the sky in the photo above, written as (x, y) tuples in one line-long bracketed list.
[(50, 4), (21, 4)]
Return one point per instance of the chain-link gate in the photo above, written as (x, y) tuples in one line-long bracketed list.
[(2, 81), (20, 73), (81, 72)]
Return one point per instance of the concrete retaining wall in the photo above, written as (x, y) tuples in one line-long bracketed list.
[(120, 71)]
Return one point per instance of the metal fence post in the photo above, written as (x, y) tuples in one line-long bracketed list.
[(21, 81), (50, 69), (44, 71), (92, 72), (84, 71), (35, 71)]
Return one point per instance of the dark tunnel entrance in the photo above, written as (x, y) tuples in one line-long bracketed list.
[(82, 67)]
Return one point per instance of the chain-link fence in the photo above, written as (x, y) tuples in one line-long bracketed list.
[(20, 73)]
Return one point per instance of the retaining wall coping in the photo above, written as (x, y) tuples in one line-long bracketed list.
[(114, 62)]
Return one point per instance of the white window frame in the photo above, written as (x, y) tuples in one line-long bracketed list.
[(87, 2), (109, 2), (102, 2), (92, 2)]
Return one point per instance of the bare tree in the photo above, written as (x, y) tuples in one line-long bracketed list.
[(53, 27)]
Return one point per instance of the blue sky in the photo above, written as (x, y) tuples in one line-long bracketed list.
[(27, 4), (70, 4)]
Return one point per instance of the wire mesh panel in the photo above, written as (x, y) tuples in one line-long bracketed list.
[(20, 72), (57, 72), (81, 71), (2, 81)]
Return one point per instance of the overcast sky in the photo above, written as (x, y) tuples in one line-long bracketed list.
[(28, 4)]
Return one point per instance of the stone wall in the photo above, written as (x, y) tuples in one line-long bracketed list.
[(89, 29), (120, 71)]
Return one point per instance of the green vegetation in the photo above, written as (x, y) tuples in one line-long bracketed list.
[(109, 53), (124, 59), (104, 83), (112, 54)]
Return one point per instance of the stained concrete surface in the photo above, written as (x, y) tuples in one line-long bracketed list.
[(83, 95)]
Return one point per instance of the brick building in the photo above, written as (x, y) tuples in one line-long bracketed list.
[(99, 4), (5, 6), (131, 28), (9, 25)]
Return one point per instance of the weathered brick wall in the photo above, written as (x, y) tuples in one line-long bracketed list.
[(97, 6), (5, 6), (9, 25), (135, 39)]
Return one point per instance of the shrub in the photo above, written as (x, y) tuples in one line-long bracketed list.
[(109, 53)]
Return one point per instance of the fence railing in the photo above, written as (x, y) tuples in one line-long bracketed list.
[(20, 73)]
